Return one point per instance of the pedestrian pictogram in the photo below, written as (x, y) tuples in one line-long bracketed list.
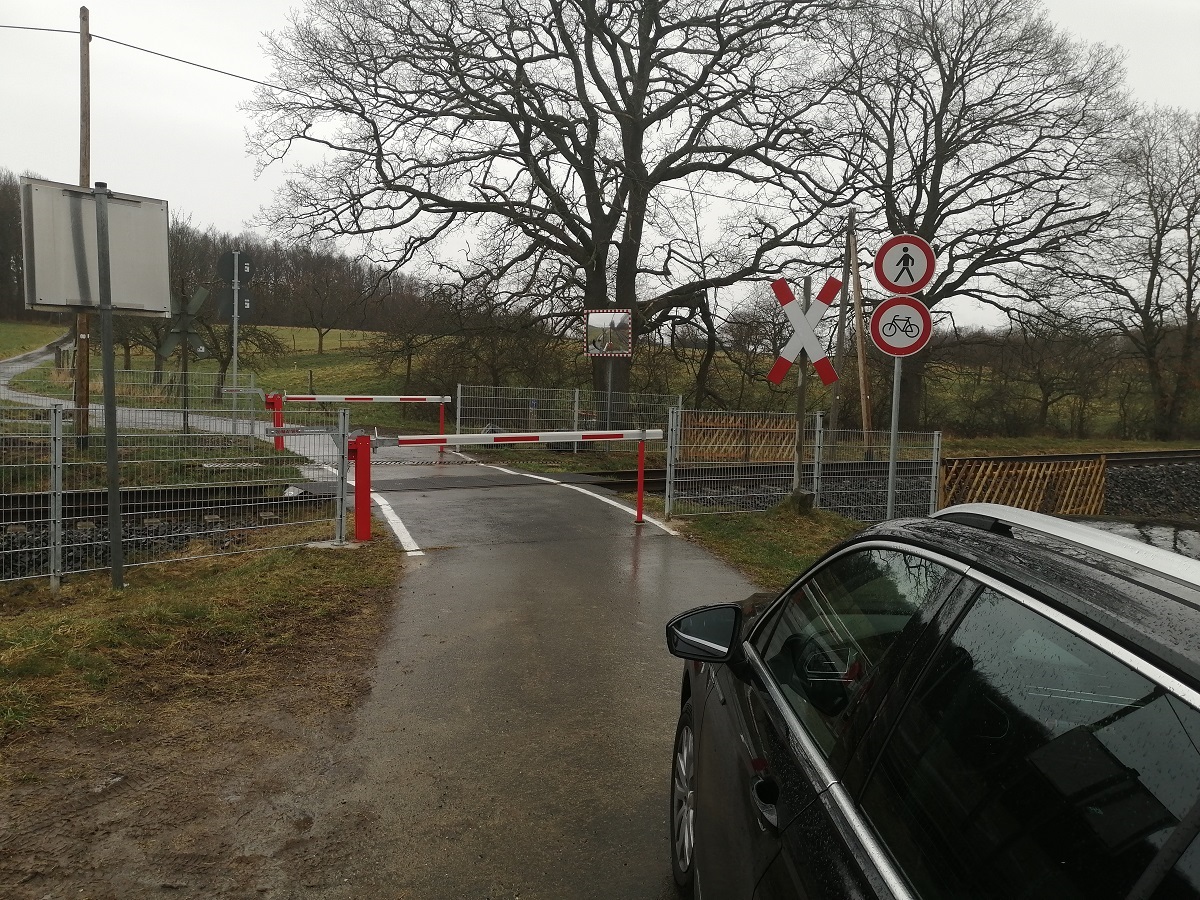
[(805, 337), (901, 326), (904, 264)]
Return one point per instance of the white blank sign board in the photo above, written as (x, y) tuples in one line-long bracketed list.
[(58, 228)]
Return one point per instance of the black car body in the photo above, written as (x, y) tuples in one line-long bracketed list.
[(989, 703)]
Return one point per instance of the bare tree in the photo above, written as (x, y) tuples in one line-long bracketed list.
[(976, 125), (1147, 261), (327, 288), (535, 145)]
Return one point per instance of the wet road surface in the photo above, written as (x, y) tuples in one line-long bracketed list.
[(517, 739)]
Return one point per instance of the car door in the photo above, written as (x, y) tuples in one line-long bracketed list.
[(1034, 758), (776, 728)]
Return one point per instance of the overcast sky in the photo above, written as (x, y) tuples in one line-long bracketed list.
[(174, 132)]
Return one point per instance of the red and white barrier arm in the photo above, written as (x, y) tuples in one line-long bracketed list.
[(373, 398), (541, 437)]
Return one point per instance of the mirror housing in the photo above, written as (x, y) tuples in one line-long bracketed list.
[(707, 634)]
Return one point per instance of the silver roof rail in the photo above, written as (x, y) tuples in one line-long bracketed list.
[(1173, 565)]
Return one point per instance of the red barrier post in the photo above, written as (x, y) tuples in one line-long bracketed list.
[(641, 480), (360, 452), (274, 402)]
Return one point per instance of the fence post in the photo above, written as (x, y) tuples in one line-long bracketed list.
[(641, 480), (575, 419), (343, 447), (458, 411), (56, 496), (935, 481), (673, 429), (818, 455), (362, 487)]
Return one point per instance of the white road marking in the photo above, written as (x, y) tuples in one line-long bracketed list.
[(406, 540), (575, 487), (411, 547)]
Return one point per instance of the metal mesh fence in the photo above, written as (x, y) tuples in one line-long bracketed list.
[(219, 487), (481, 409), (165, 389), (726, 462)]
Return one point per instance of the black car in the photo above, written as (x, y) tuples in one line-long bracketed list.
[(988, 703)]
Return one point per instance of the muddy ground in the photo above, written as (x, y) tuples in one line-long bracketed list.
[(180, 803)]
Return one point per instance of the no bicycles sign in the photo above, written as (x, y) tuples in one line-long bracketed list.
[(901, 326)]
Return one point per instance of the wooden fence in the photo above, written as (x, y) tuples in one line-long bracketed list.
[(737, 437), (1073, 487)]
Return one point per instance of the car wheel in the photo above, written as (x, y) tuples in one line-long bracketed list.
[(683, 807)]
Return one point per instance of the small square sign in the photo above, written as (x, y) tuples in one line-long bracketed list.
[(609, 332)]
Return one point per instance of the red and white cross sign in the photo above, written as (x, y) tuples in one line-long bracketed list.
[(805, 337)]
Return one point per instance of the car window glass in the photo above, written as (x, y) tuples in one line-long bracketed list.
[(832, 634), (1031, 764)]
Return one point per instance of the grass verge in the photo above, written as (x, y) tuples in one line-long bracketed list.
[(18, 337), (214, 629)]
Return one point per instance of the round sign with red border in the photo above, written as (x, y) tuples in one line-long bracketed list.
[(904, 264), (901, 326)]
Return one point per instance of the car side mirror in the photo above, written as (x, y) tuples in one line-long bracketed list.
[(707, 634)]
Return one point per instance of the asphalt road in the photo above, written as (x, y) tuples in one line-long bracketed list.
[(517, 739)]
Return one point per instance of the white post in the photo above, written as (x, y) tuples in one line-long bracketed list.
[(673, 428)]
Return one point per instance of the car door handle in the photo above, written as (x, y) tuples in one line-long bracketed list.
[(764, 792)]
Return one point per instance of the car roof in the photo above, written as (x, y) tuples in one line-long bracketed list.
[(1147, 601)]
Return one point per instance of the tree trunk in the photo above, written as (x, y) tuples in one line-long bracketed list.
[(158, 369), (320, 341), (912, 390)]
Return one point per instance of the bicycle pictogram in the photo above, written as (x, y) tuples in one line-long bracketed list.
[(900, 325)]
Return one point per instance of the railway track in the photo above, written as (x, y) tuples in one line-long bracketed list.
[(656, 479), (226, 501)]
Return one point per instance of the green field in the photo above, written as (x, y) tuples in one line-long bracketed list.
[(18, 337)]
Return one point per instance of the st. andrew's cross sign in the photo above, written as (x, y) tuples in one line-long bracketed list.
[(805, 325)]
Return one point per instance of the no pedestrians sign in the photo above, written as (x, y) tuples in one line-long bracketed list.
[(904, 264)]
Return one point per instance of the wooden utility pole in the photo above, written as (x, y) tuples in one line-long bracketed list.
[(860, 331), (82, 320), (835, 405)]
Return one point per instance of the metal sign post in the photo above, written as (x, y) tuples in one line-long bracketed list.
[(900, 326), (116, 548), (235, 267)]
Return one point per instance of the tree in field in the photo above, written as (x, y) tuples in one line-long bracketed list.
[(327, 288), (1142, 276), (540, 148), (977, 125)]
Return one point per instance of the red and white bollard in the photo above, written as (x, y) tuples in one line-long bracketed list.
[(274, 402), (359, 453)]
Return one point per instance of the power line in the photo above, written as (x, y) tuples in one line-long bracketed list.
[(287, 90)]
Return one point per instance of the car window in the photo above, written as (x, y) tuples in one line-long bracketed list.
[(1031, 764), (836, 634)]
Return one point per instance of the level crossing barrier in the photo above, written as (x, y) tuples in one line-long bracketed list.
[(361, 446), (275, 401)]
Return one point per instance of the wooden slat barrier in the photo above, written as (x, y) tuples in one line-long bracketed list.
[(1074, 487), (742, 438)]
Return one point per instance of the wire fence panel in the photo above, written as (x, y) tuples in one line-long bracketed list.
[(25, 474), (726, 462), (852, 479), (164, 389), (481, 409), (216, 486)]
